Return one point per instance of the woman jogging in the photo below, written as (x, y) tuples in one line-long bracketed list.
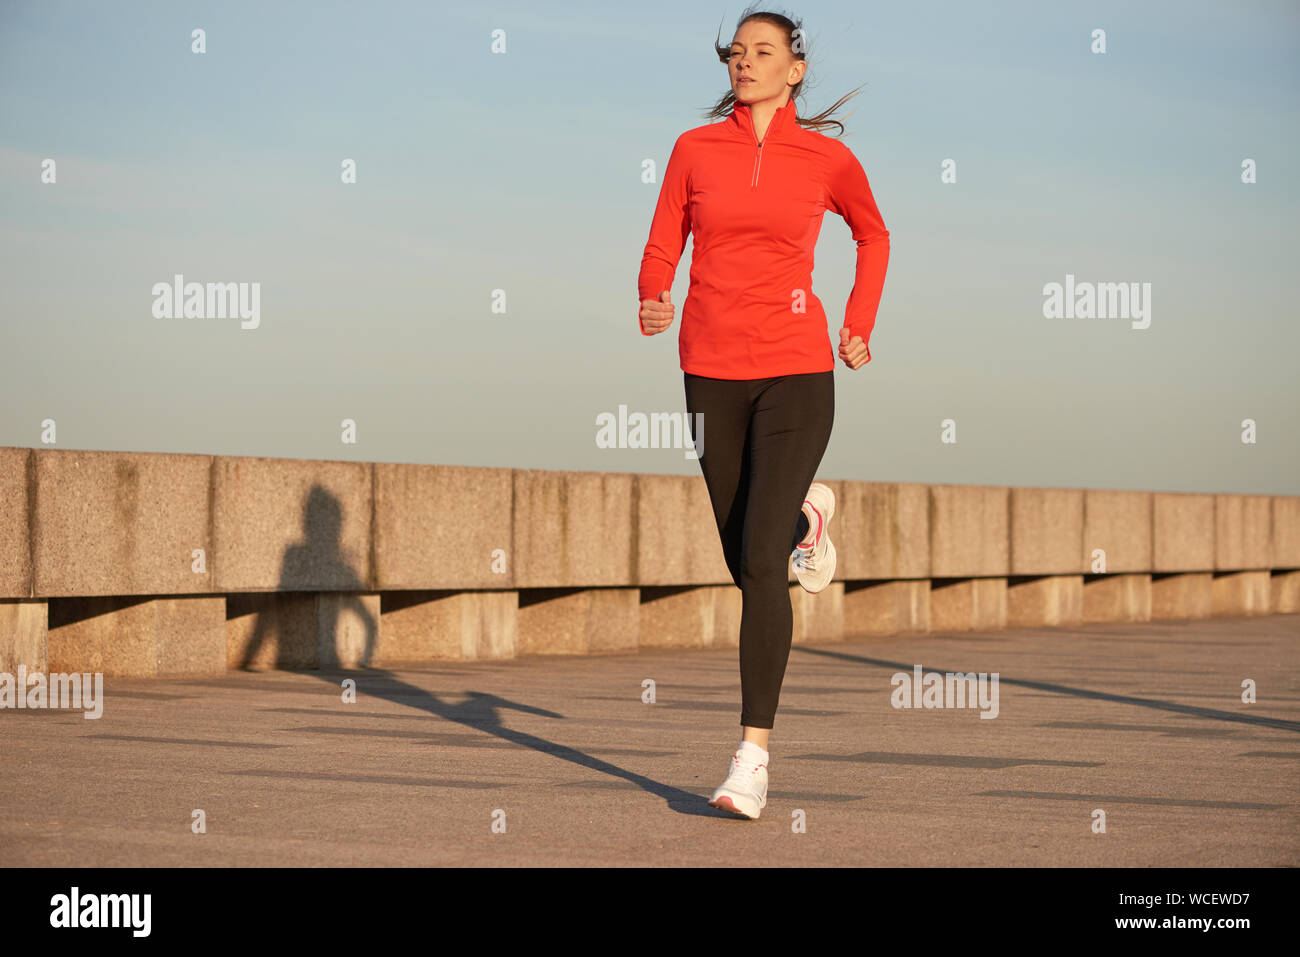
[(754, 343)]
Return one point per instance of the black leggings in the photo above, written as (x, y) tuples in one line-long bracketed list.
[(762, 443)]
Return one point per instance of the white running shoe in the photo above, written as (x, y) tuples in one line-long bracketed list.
[(815, 564), (745, 790)]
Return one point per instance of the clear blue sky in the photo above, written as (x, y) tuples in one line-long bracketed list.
[(522, 171)]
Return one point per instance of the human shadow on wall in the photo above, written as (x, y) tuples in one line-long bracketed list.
[(318, 560), (307, 630)]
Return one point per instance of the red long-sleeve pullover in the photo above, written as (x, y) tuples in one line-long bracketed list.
[(756, 210)]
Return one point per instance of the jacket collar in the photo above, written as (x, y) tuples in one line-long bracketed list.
[(783, 120)]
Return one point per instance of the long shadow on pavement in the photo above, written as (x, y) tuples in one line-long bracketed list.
[(1211, 713), (481, 711)]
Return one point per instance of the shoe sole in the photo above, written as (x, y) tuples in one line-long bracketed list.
[(724, 803)]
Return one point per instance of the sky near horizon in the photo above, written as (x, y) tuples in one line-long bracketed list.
[(486, 177)]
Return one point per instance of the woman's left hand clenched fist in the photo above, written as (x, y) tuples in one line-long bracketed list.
[(853, 351)]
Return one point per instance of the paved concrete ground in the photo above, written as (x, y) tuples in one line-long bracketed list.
[(1143, 721)]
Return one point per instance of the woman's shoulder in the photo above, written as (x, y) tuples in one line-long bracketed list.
[(697, 142), (836, 155), (822, 140), (704, 132)]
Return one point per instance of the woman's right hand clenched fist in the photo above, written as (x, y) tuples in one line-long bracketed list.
[(656, 314)]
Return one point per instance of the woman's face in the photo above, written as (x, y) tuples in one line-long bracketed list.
[(761, 64)]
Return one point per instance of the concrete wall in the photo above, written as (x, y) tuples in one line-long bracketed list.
[(158, 564)]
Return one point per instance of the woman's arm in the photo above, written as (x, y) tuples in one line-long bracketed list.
[(668, 230), (849, 194)]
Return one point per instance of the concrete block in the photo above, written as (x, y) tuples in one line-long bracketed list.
[(707, 616), (817, 618), (572, 529), (881, 530), (138, 637), (292, 525), (24, 627), (972, 604), (1243, 532), (1284, 592), (1046, 531), (969, 531), (676, 535), (1286, 532), (886, 607), (17, 502), (1182, 533), (1116, 598), (347, 629), (1048, 601), (470, 625), (569, 621), (442, 527), (1240, 593), (1181, 596), (269, 631), (121, 523), (1116, 531)]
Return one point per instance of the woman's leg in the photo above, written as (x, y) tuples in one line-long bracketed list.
[(727, 408), (790, 428)]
